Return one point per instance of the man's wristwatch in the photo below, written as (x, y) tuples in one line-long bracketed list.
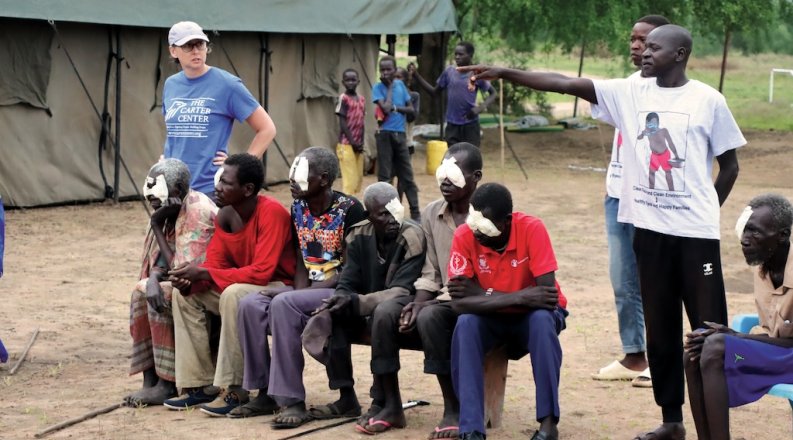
[(489, 291)]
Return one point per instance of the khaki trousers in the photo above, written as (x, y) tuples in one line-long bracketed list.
[(193, 356)]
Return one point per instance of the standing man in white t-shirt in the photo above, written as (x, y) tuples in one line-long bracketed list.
[(622, 261), (677, 231)]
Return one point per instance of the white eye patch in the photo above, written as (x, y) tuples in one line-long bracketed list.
[(740, 225), (448, 169), (396, 209), (299, 172), (218, 174), (159, 190), (478, 222)]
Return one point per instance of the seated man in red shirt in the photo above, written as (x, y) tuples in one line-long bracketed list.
[(501, 275), (251, 249)]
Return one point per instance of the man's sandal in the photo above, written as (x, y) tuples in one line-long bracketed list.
[(332, 411)]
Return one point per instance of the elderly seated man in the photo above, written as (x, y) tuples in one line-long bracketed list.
[(726, 369), (502, 275), (427, 320), (321, 218), (251, 250), (385, 254), (180, 228)]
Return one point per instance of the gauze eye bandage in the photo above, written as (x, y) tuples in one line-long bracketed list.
[(740, 225), (159, 190), (299, 172), (478, 222), (217, 175), (448, 169), (396, 209)]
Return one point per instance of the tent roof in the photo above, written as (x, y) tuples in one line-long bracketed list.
[(374, 17)]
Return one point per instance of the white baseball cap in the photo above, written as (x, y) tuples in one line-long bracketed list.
[(185, 31)]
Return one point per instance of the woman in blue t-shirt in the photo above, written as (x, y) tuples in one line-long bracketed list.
[(200, 104)]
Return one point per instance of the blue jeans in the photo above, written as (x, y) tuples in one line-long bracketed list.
[(624, 280), (535, 332)]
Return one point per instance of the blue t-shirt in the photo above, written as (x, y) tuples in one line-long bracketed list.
[(399, 97), (460, 100), (199, 114)]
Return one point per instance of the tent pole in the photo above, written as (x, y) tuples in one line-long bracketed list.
[(118, 118), (264, 62)]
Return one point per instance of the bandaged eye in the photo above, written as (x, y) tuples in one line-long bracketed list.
[(218, 175), (448, 169), (396, 209), (740, 225), (299, 172), (159, 190), (479, 223)]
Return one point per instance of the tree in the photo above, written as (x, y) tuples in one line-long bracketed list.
[(726, 17)]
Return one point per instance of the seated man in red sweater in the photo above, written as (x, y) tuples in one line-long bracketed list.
[(251, 249)]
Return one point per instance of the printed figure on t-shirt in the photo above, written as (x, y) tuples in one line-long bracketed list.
[(660, 144)]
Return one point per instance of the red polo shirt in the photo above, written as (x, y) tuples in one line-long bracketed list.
[(528, 255)]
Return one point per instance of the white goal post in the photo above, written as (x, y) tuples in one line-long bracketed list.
[(771, 81)]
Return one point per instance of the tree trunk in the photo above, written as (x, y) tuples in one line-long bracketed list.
[(431, 63), (727, 37)]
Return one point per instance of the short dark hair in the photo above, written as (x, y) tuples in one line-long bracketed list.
[(249, 169), (388, 58), (349, 70), (473, 157), (469, 48), (323, 160), (495, 197), (781, 210), (655, 20)]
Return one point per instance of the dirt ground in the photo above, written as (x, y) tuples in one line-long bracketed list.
[(69, 271)]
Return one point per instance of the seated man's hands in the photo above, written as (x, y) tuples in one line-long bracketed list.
[(694, 342), (538, 297), (188, 271), (272, 292), (335, 304), (410, 313), (154, 294), (463, 287)]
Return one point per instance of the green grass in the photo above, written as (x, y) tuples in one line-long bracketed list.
[(745, 85)]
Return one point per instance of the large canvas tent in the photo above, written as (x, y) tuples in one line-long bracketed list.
[(65, 65)]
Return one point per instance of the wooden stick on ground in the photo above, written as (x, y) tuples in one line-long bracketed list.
[(24, 353), (77, 420)]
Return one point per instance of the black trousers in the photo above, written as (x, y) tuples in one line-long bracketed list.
[(393, 158), (463, 133), (433, 335), (673, 272)]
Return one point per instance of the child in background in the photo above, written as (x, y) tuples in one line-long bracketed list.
[(349, 150)]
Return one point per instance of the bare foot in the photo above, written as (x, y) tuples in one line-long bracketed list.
[(371, 412), (667, 431), (395, 418), (155, 395), (634, 361), (447, 427)]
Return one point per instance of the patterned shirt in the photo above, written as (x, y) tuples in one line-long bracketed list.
[(188, 237), (321, 238), (353, 110)]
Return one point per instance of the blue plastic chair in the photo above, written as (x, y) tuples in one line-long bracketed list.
[(744, 323)]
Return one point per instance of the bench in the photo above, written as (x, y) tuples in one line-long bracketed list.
[(496, 363), (743, 324)]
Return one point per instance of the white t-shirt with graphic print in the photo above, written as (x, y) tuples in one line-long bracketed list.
[(668, 133)]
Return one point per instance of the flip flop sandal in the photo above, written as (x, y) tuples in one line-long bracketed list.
[(331, 411), (643, 380), (615, 371), (248, 410), (541, 435), (372, 422), (371, 412), (297, 420), (438, 430)]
